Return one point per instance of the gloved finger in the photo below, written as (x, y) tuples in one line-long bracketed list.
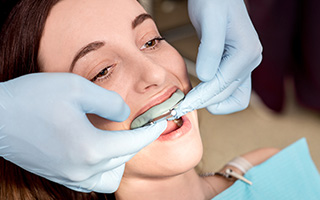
[(110, 164), (124, 142), (107, 170), (109, 173), (238, 63), (106, 150), (208, 93), (113, 162), (211, 47), (205, 94), (242, 60), (225, 81), (109, 181), (239, 100), (104, 182), (97, 100), (243, 50), (216, 95)]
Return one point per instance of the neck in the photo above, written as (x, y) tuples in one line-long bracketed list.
[(188, 186)]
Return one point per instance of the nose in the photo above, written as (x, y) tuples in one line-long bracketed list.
[(150, 73)]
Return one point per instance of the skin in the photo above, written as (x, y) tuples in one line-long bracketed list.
[(142, 69), (139, 76)]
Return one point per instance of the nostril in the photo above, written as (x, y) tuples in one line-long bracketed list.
[(150, 86)]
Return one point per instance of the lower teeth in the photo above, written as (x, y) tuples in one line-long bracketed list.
[(179, 122)]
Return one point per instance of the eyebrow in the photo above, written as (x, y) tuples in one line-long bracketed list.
[(93, 46), (139, 19)]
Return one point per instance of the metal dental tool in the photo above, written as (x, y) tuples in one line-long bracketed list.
[(169, 116), (163, 111)]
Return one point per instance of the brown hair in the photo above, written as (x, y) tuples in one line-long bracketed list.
[(19, 45)]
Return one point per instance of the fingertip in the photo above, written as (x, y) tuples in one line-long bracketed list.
[(180, 111), (139, 138), (191, 102), (105, 103), (158, 127), (114, 103), (123, 111), (208, 61), (151, 132), (203, 74)]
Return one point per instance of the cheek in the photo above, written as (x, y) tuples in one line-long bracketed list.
[(175, 65)]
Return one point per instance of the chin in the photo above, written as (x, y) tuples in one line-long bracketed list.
[(169, 157)]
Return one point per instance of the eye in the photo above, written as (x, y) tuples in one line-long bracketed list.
[(151, 44), (103, 74)]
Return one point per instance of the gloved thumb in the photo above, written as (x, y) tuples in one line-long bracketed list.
[(210, 51), (107, 104), (132, 141)]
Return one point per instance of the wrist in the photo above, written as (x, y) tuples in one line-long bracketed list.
[(227, 182), (232, 171), (241, 164)]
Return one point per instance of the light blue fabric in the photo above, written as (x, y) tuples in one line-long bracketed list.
[(289, 175)]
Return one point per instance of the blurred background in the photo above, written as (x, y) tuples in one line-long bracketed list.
[(285, 104)]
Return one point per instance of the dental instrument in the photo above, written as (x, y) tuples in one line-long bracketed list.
[(169, 116), (164, 111)]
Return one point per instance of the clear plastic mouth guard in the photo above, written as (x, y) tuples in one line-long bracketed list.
[(159, 111)]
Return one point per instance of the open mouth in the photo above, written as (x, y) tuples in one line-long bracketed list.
[(176, 129), (178, 122), (160, 111), (173, 125)]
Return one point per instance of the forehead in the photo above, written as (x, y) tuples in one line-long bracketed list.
[(72, 24), (77, 11)]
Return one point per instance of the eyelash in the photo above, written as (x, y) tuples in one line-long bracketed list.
[(107, 71), (154, 42), (103, 74)]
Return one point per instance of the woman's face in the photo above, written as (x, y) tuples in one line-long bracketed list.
[(118, 47)]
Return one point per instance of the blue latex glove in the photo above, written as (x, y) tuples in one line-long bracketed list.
[(44, 129), (229, 51)]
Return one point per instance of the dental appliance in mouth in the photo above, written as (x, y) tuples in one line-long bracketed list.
[(165, 110)]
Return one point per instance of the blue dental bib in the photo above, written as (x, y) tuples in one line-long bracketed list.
[(288, 175)]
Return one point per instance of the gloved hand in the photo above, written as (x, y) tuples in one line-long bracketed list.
[(229, 51), (44, 129)]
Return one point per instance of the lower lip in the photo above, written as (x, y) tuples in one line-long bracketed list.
[(185, 128)]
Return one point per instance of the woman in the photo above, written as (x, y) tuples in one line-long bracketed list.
[(116, 45)]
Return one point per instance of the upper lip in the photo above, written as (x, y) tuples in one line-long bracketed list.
[(157, 100)]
